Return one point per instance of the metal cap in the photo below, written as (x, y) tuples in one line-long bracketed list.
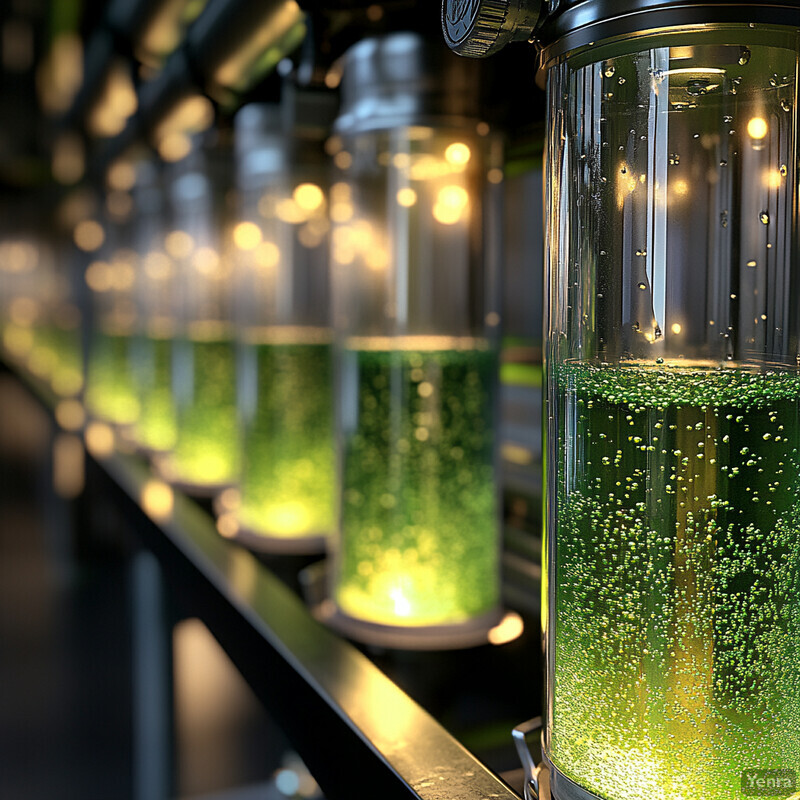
[(479, 28)]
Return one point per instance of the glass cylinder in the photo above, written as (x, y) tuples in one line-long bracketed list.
[(155, 429), (110, 393), (287, 484), (673, 415), (204, 458), (416, 323)]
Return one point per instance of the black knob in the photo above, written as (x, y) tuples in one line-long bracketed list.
[(479, 28)]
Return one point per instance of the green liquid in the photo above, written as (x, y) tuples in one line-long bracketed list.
[(288, 479), (156, 427), (56, 356), (206, 451), (419, 536), (110, 391), (677, 580)]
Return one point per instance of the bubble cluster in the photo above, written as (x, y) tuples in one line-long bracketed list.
[(419, 529), (677, 579), (287, 478)]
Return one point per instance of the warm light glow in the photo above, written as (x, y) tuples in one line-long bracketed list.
[(123, 275), (99, 439), (308, 196), (206, 260), (98, 276), (681, 188), (247, 236), (157, 265), (288, 211), (676, 327), (179, 244), (509, 628), (773, 179), (342, 211), (17, 341), (68, 466), (406, 197), (89, 235), (343, 160), (116, 103), (230, 499), (174, 146), (757, 128), (451, 203), (228, 525), (157, 500), (267, 255), (516, 454), (119, 204), (68, 161), (377, 258), (70, 415), (458, 154), (191, 115), (495, 176), (121, 175)]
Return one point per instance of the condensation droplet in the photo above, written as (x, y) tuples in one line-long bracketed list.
[(786, 105), (723, 163), (764, 217), (744, 57), (784, 171), (610, 70), (642, 286), (751, 263), (727, 118)]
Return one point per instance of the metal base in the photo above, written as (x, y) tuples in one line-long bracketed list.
[(472, 633), (200, 490), (563, 788), (259, 542)]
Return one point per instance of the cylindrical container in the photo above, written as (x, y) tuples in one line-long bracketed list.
[(109, 392), (155, 430), (673, 402), (287, 484), (416, 560), (205, 455)]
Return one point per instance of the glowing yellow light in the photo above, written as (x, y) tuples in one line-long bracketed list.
[(157, 500), (342, 211), (509, 628), (70, 415), (230, 499), (773, 179), (122, 275), (681, 188), (450, 205), (308, 196), (179, 244), (206, 260), (406, 197), (67, 382), (288, 211), (377, 259), (343, 160), (402, 607), (228, 525), (458, 154), (157, 265), (99, 439), (267, 255), (98, 276), (757, 128), (516, 454), (121, 176), (174, 146), (247, 236), (676, 327), (68, 467), (18, 340), (89, 235), (287, 518)]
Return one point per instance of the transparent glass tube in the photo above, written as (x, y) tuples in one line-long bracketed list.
[(205, 455), (110, 393), (414, 305), (285, 399), (156, 427), (673, 406)]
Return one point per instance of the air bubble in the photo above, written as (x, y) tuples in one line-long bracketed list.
[(786, 105), (642, 286), (744, 57), (610, 70), (783, 170), (752, 263), (727, 118), (764, 217)]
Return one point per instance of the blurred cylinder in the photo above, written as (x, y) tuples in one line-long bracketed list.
[(416, 321), (285, 359)]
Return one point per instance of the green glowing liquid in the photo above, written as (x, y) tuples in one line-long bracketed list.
[(288, 479), (206, 451), (419, 531), (156, 427), (56, 356), (110, 391), (677, 580)]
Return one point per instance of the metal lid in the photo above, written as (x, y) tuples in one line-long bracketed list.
[(479, 28), (402, 79), (576, 23)]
